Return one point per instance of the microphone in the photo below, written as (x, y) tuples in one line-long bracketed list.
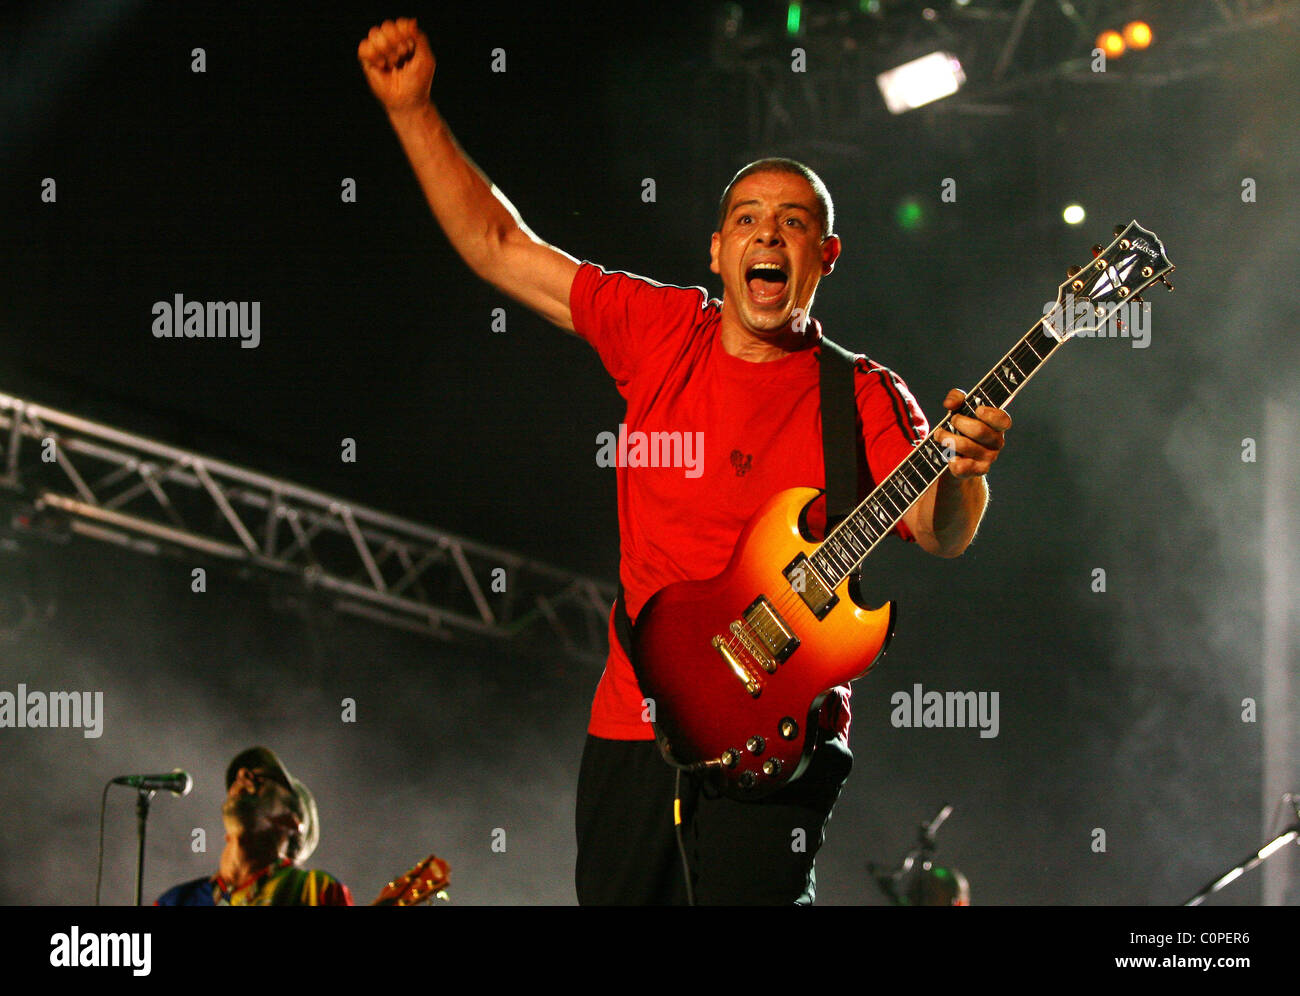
[(178, 782)]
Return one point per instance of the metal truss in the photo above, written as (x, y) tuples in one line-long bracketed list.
[(1009, 48), (110, 485)]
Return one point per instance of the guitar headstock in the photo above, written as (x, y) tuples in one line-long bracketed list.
[(1093, 295), (427, 880)]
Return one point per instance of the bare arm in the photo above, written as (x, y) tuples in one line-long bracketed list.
[(946, 517), (478, 220)]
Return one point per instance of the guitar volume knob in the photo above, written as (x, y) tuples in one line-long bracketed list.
[(755, 744), (789, 728), (729, 757), (772, 767)]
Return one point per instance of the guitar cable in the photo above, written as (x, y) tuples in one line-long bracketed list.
[(99, 873), (681, 843)]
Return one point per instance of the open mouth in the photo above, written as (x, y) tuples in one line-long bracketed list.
[(766, 282)]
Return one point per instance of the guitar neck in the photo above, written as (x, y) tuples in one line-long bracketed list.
[(849, 543)]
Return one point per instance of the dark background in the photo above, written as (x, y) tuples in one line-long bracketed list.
[(1120, 710)]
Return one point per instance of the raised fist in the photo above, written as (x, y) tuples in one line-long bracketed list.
[(398, 64)]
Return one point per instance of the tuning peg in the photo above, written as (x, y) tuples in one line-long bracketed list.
[(1164, 280), (1072, 271), (1096, 250), (1119, 229)]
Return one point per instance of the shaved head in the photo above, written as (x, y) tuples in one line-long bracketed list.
[(825, 209)]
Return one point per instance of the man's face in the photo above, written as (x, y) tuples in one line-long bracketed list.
[(770, 252), (257, 803)]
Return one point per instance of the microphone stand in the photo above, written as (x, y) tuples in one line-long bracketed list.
[(888, 881), (141, 818), (1258, 858)]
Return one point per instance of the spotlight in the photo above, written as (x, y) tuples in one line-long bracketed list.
[(1074, 214), (1137, 35), (909, 215), (920, 81), (1112, 43)]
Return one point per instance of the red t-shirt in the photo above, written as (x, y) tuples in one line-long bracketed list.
[(743, 431)]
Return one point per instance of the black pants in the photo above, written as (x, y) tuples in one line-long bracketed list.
[(740, 853)]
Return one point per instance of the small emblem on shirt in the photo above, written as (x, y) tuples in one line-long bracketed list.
[(741, 462)]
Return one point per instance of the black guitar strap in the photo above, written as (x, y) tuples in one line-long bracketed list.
[(839, 451), (839, 431), (622, 622)]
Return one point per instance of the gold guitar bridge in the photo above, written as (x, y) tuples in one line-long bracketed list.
[(759, 641)]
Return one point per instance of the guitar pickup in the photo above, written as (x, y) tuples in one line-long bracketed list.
[(809, 585), (776, 640)]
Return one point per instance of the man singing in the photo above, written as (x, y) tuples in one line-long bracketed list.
[(272, 827), (741, 375)]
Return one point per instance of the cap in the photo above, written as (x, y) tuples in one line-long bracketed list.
[(304, 803)]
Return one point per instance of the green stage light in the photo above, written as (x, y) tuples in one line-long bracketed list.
[(909, 214), (793, 18)]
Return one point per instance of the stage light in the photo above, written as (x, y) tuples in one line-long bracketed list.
[(1073, 214), (920, 81), (909, 214), (1137, 34), (793, 18), (1112, 43)]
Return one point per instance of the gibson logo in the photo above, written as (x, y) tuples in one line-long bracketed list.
[(1142, 245)]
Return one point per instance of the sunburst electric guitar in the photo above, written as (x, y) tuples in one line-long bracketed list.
[(737, 666)]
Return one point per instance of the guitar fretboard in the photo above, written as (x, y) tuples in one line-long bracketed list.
[(848, 544)]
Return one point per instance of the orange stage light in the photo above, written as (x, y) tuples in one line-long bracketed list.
[(1111, 43), (1137, 34)]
